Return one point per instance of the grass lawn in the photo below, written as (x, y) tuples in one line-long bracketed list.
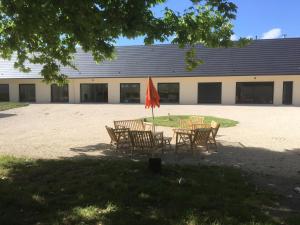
[(11, 105), (97, 191), (173, 120)]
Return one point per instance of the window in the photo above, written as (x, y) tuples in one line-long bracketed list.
[(130, 93), (254, 92), (4, 93), (209, 93), (59, 93), (168, 92), (287, 95), (27, 92), (93, 93)]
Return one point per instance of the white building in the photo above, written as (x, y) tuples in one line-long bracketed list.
[(264, 72)]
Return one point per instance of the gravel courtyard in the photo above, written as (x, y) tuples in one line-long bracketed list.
[(266, 139)]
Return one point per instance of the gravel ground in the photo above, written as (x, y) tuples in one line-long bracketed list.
[(265, 141)]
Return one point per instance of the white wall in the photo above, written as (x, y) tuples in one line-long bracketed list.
[(188, 87)]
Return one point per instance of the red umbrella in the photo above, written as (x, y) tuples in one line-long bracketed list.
[(152, 97)]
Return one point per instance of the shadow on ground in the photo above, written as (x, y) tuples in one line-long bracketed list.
[(4, 115), (276, 171), (111, 191)]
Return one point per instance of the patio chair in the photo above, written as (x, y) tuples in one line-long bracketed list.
[(201, 138), (193, 138), (119, 138), (133, 124), (146, 141), (197, 119), (200, 125), (215, 128), (191, 124), (184, 125)]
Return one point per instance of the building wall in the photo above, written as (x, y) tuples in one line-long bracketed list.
[(188, 87)]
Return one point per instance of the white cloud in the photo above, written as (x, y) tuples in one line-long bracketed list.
[(273, 33), (234, 37)]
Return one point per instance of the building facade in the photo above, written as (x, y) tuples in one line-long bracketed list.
[(265, 72)]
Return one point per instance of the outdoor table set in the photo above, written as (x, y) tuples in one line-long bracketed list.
[(139, 136)]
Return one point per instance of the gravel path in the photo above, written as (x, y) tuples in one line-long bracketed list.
[(266, 140)]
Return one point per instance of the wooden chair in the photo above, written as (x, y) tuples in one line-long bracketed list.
[(193, 138), (197, 119), (215, 128), (190, 124), (201, 138), (139, 125), (145, 140), (119, 138), (185, 124), (200, 125)]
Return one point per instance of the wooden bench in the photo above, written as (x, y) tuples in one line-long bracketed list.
[(145, 141), (139, 125), (119, 138)]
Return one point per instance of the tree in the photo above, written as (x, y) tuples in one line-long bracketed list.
[(48, 32)]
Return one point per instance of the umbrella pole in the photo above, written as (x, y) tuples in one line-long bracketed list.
[(153, 126)]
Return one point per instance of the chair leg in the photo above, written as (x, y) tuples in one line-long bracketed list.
[(176, 144), (131, 152)]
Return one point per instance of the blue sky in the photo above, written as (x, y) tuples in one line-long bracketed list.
[(264, 18)]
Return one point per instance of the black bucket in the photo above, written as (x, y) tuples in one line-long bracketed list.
[(155, 165)]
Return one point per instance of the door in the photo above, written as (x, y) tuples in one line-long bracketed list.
[(59, 93), (90, 93), (210, 93), (254, 92), (168, 92), (27, 92), (4, 93), (130, 93), (287, 95)]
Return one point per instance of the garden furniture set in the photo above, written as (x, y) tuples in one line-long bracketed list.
[(139, 136)]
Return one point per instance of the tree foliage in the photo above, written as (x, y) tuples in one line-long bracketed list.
[(48, 32)]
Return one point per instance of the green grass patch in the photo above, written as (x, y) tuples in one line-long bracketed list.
[(90, 191), (11, 105), (173, 120)]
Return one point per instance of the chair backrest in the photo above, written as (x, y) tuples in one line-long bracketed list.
[(142, 139), (111, 133), (131, 124), (215, 128), (185, 124), (197, 119), (200, 125), (201, 136)]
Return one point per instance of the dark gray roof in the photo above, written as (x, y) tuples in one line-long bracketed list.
[(261, 57)]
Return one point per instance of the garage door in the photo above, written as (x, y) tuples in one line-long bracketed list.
[(209, 93), (59, 93), (90, 93), (254, 92), (168, 92), (4, 93), (27, 92), (130, 93)]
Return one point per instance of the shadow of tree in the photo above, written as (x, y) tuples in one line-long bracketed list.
[(106, 191), (277, 171), (253, 159), (91, 148), (4, 115)]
